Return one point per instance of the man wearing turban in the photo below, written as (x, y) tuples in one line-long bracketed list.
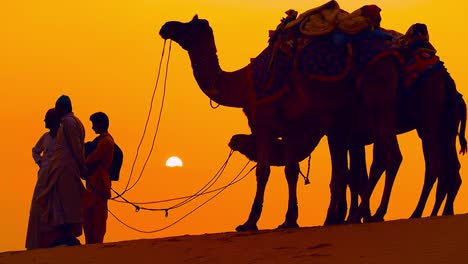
[(62, 197)]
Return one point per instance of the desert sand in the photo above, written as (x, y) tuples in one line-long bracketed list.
[(426, 240)]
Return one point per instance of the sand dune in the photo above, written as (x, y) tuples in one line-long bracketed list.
[(426, 240)]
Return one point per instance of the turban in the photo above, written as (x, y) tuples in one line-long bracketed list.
[(64, 102)]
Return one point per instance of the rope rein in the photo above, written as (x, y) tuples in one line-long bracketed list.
[(203, 191), (306, 177), (212, 104), (159, 119), (146, 126), (218, 190)]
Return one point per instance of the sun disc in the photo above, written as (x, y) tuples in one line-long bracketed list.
[(174, 161)]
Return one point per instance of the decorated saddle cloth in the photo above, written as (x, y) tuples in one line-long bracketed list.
[(333, 57), (368, 48), (324, 43), (324, 59), (418, 65), (419, 55), (268, 75)]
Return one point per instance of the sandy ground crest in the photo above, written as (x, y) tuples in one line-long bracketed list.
[(426, 240)]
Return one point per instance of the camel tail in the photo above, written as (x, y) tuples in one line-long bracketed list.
[(461, 133)]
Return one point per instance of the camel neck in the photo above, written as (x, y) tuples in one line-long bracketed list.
[(205, 68), (218, 85)]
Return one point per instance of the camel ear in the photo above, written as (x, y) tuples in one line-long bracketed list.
[(195, 18)]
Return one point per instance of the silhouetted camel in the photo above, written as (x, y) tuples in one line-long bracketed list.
[(307, 107), (435, 109), (448, 182)]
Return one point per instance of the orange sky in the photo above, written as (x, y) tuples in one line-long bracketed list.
[(104, 55)]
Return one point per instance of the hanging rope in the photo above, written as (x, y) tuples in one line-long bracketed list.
[(159, 119), (306, 177), (202, 191), (220, 190), (213, 105), (127, 188)]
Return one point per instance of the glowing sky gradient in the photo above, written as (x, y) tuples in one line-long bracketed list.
[(105, 56)]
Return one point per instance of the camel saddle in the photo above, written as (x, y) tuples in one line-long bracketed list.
[(325, 43), (329, 17)]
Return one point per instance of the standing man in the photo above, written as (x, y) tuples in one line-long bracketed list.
[(62, 196), (41, 153), (98, 183)]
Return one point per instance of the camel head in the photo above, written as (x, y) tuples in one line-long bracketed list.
[(418, 31), (246, 145), (190, 35)]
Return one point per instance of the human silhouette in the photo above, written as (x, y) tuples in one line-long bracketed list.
[(41, 153), (62, 197), (98, 183)]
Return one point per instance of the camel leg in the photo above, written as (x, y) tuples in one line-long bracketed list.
[(443, 180), (376, 170), (441, 193), (431, 99), (432, 150), (357, 179), (450, 162), (451, 166), (379, 93), (296, 139), (431, 157), (454, 182), (292, 175), (354, 193), (264, 138), (447, 188), (390, 175), (429, 181), (449, 182), (452, 193), (378, 166), (387, 147), (262, 175), (337, 209), (386, 157)]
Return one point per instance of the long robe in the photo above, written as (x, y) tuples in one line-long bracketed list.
[(41, 153), (62, 197)]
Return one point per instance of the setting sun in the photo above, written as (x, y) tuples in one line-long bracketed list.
[(174, 161)]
